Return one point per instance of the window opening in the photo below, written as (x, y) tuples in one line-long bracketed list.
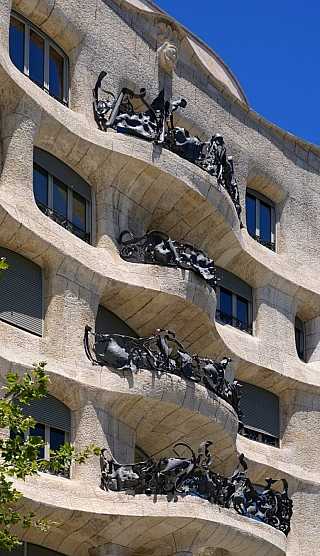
[(260, 217), (38, 57), (234, 301), (300, 338)]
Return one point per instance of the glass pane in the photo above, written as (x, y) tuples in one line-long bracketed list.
[(16, 43), (299, 336), (60, 197), (39, 430), (40, 184), (251, 214), (225, 301), (55, 73), (242, 309), (56, 438), (265, 221), (79, 211), (36, 60)]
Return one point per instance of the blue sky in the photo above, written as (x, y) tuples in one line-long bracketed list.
[(272, 47)]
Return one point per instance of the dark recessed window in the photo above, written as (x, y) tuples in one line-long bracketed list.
[(261, 415), (234, 301), (62, 194), (21, 293), (260, 215), (53, 425), (38, 57), (300, 338)]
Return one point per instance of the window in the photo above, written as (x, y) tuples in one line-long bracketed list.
[(38, 57), (260, 213), (21, 293), (29, 549), (234, 301), (62, 194), (53, 424), (108, 323), (300, 338), (261, 415)]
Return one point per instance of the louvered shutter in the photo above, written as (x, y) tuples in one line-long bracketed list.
[(21, 294), (49, 411), (261, 409), (63, 172), (234, 284), (108, 323), (14, 552)]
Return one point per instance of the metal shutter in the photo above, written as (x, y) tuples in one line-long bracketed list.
[(49, 411), (234, 284), (63, 172), (261, 409), (14, 552), (108, 323), (21, 297), (35, 550)]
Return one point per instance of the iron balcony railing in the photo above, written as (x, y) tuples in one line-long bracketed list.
[(225, 318), (63, 221), (269, 244)]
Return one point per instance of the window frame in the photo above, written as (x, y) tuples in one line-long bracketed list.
[(259, 197), (45, 86), (56, 169), (235, 321)]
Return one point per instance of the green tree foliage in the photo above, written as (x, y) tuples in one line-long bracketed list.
[(3, 266), (20, 455)]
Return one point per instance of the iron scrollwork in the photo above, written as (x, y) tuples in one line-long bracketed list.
[(182, 476), (162, 352), (157, 247), (156, 123)]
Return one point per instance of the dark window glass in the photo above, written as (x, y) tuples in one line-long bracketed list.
[(225, 301), (40, 184), (56, 438), (16, 43), (242, 310), (265, 221), (39, 430), (55, 73), (60, 197), (36, 58), (79, 211), (299, 337), (251, 214)]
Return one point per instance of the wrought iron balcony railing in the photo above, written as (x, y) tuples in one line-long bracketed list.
[(162, 352), (257, 436), (192, 476), (64, 222), (269, 244), (225, 318)]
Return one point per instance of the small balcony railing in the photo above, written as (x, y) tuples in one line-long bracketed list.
[(269, 244), (64, 222), (225, 318), (258, 436)]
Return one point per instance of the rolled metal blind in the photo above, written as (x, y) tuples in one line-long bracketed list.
[(261, 409), (21, 297), (63, 172), (49, 411), (108, 323), (234, 284)]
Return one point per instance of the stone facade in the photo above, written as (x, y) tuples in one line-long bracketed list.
[(140, 186)]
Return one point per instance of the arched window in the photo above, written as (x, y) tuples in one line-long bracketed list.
[(234, 301), (29, 549), (39, 57), (62, 194), (108, 323), (300, 338), (53, 424), (261, 415), (261, 219), (21, 293)]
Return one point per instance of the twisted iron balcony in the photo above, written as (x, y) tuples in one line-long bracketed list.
[(63, 221), (269, 244), (225, 318)]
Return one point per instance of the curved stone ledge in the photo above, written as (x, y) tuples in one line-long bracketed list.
[(93, 518)]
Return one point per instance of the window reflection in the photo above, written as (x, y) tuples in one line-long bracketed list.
[(16, 43), (36, 58), (55, 73), (79, 211), (60, 197), (39, 430)]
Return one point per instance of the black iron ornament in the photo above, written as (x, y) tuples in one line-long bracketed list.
[(155, 122), (156, 247), (182, 476), (162, 352)]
